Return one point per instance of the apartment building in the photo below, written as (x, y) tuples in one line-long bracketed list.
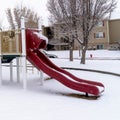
[(99, 37), (114, 34), (104, 36), (59, 38)]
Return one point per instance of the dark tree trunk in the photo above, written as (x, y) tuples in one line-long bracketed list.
[(71, 54), (83, 55), (71, 47)]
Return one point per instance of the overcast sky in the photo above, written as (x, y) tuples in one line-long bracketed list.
[(39, 6)]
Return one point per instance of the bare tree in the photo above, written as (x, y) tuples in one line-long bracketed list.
[(80, 17), (1, 21), (14, 16), (10, 18)]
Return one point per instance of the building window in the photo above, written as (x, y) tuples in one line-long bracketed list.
[(99, 35), (100, 46)]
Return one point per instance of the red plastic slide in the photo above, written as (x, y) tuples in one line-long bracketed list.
[(42, 62)]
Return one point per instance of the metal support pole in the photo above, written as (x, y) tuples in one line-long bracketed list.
[(41, 78), (24, 73), (24, 53), (17, 39), (11, 72), (40, 71), (18, 69), (23, 36), (40, 26)]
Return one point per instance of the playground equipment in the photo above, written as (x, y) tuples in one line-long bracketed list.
[(13, 45), (27, 44), (10, 48)]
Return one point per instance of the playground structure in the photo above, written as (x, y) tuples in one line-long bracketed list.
[(26, 43), (13, 46)]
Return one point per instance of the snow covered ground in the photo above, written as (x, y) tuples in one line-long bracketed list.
[(53, 101)]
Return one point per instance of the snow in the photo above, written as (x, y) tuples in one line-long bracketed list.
[(41, 36), (53, 101)]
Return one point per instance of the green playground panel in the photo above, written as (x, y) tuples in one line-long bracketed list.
[(8, 58)]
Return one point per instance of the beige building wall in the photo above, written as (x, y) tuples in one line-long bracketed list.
[(10, 42), (114, 31), (114, 34), (94, 42)]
